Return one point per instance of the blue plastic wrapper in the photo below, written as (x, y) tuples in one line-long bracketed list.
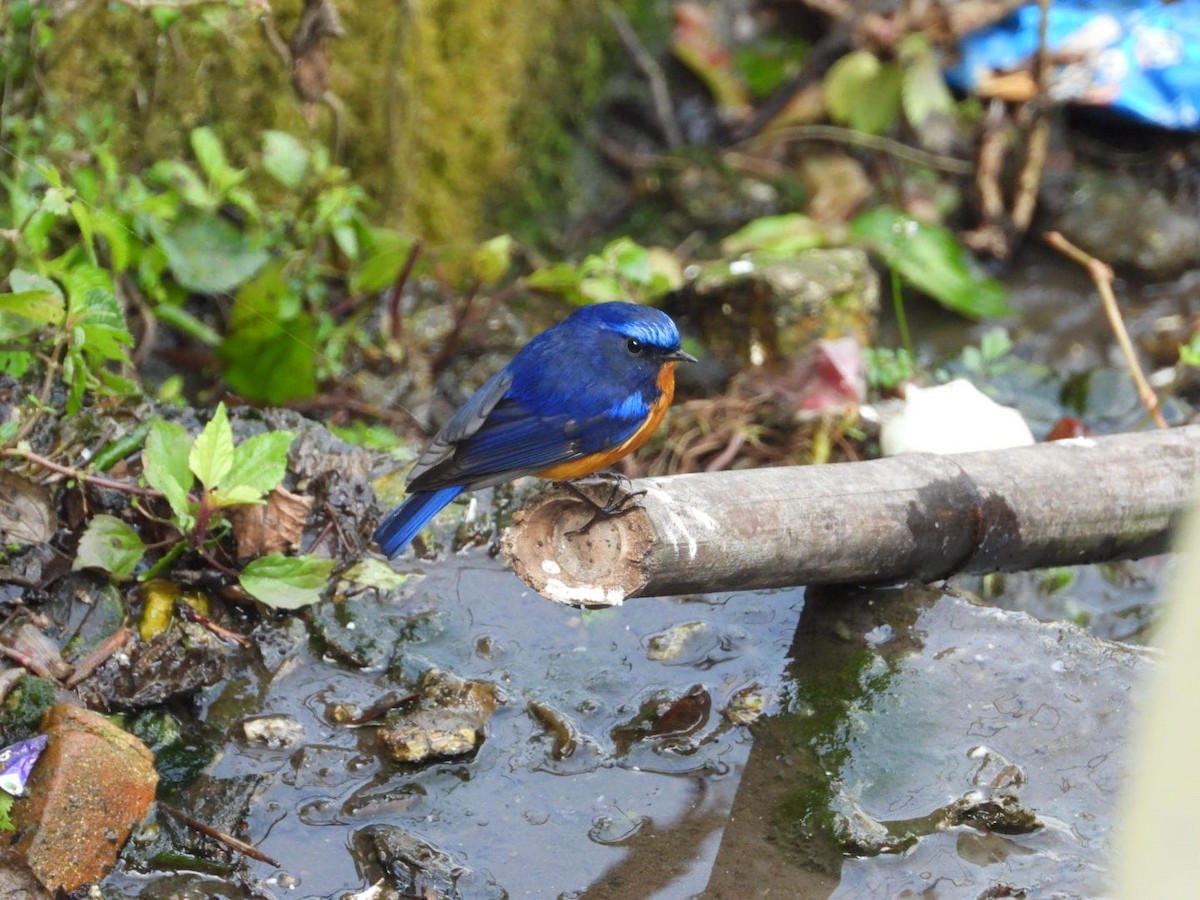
[(1137, 59)]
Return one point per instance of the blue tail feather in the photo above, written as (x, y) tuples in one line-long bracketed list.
[(403, 523)]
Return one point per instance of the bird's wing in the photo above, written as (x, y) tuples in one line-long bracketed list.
[(513, 441), (464, 423)]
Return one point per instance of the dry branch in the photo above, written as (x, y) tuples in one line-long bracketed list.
[(911, 517)]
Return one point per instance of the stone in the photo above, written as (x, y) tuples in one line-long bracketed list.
[(92, 785)]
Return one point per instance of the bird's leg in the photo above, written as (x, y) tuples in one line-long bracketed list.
[(612, 507)]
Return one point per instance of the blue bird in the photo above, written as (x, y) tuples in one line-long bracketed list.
[(578, 397)]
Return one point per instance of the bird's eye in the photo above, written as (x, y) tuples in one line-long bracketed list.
[(634, 346)]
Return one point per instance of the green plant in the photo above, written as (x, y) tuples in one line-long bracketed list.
[(227, 475), (273, 239), (931, 259), (623, 270), (870, 94), (887, 369), (62, 309)]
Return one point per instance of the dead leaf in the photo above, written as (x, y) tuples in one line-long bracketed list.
[(26, 511), (271, 528)]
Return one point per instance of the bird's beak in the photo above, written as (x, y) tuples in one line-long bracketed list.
[(679, 356)]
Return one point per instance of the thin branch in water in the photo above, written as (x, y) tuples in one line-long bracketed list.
[(1102, 275), (189, 613), (226, 839), (93, 660)]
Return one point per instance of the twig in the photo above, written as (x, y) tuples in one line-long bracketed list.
[(189, 613), (664, 110), (27, 661), (1102, 275), (397, 291), (1029, 178), (227, 839), (836, 135), (92, 661), (399, 416), (207, 556), (77, 474)]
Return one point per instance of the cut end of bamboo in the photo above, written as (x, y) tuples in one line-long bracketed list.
[(553, 549)]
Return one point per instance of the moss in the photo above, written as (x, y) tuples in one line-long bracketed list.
[(25, 706), (453, 109), (484, 83)]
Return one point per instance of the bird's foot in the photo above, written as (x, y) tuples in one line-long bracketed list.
[(620, 500)]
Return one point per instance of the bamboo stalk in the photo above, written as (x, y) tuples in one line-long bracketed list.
[(911, 517)]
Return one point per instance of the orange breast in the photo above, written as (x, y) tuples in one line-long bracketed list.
[(577, 468)]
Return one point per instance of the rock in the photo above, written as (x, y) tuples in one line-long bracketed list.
[(273, 731), (93, 783), (450, 719), (408, 865), (180, 660), (18, 883), (774, 308), (1126, 222)]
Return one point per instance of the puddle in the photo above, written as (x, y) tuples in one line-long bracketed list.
[(516, 818)]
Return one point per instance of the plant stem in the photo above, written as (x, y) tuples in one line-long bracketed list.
[(77, 474), (1102, 276), (901, 317), (169, 557)]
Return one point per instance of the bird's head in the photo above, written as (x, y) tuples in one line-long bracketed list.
[(633, 336)]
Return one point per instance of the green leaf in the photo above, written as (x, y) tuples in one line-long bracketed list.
[(862, 92), (285, 158), (492, 259), (271, 347), (121, 241), (211, 457), (6, 805), (22, 280), (345, 235), (95, 315), (629, 260), (35, 301), (286, 582), (208, 254), (55, 201), (236, 495), (178, 317), (1189, 353), (382, 266), (164, 16), (560, 278), (191, 188), (211, 156), (931, 259), (260, 462), (783, 235), (375, 573), (111, 545), (924, 93), (165, 467), (34, 307)]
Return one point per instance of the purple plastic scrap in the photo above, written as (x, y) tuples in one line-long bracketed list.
[(16, 762)]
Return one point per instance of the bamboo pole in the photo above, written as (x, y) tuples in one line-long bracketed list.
[(911, 517)]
